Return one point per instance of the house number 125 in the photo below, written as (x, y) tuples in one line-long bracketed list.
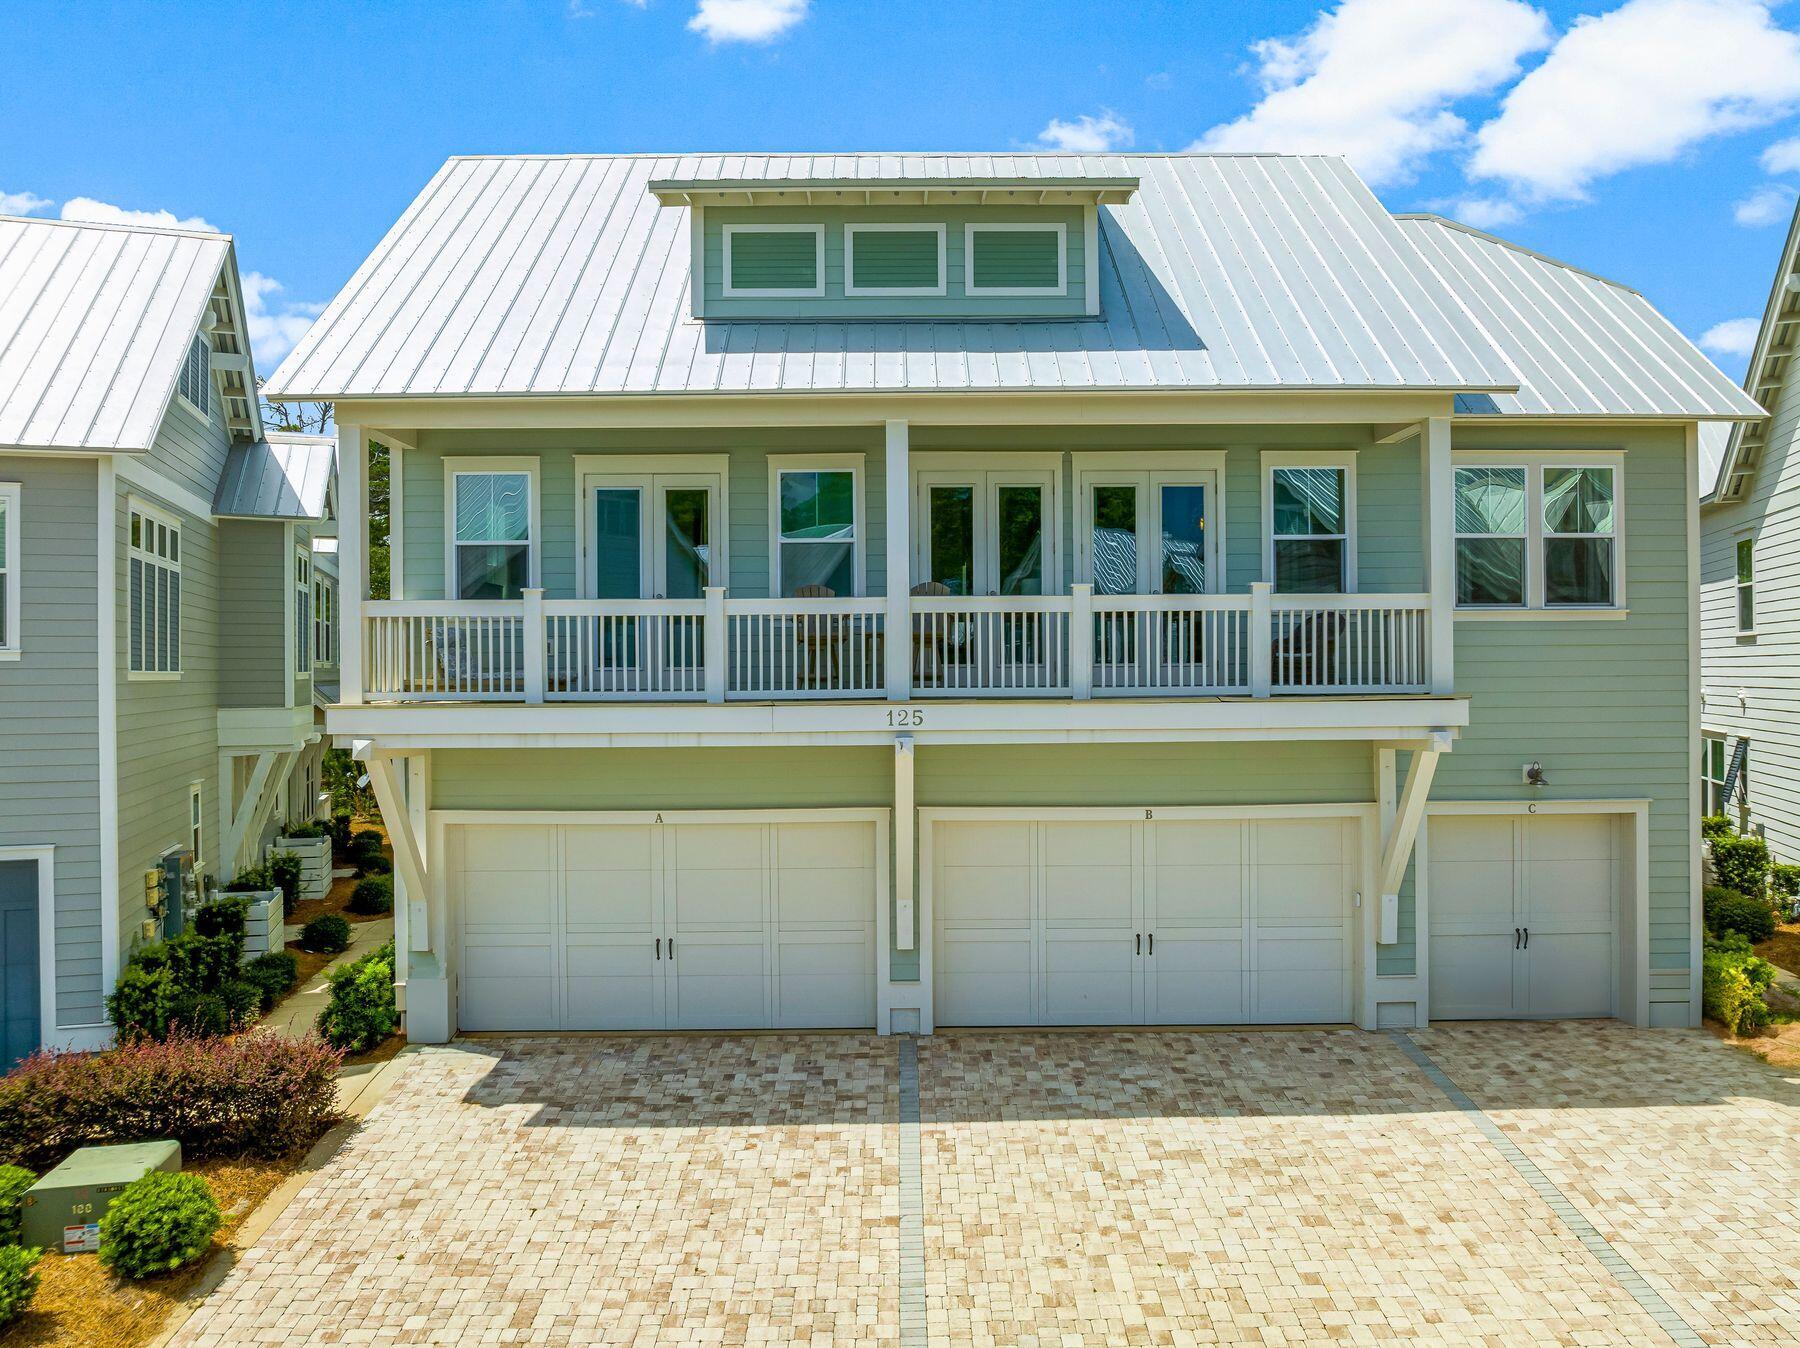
[(898, 716)]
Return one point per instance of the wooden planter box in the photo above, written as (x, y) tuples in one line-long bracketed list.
[(264, 925), (315, 863)]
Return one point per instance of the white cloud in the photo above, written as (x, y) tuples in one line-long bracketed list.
[(1487, 212), (746, 20), (1638, 85), (1087, 135), (1782, 157), (23, 203), (105, 213), (1733, 337), (1374, 80), (1769, 205), (274, 327)]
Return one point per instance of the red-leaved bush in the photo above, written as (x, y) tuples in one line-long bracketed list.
[(259, 1093)]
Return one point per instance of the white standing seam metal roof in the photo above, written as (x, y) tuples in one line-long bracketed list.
[(1583, 345), (564, 275), (286, 476), (95, 321)]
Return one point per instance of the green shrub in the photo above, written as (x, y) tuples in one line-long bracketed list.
[(1734, 980), (1715, 826), (340, 831), (18, 1281), (1784, 883), (1727, 910), (199, 1013), (372, 897), (252, 880), (157, 1224), (374, 864), (364, 842), (1742, 863), (327, 934), (141, 1002), (227, 915), (14, 1181), (271, 975), (360, 1012), (284, 870), (306, 828), (242, 999)]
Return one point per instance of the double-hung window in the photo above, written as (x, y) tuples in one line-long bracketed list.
[(817, 527), (194, 381), (304, 637), (1311, 507), (493, 528), (324, 633), (9, 569), (1725, 774), (1537, 535), (1579, 521), (197, 823), (155, 600), (1491, 514), (1746, 587)]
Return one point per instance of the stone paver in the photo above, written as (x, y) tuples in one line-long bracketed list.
[(1154, 1188)]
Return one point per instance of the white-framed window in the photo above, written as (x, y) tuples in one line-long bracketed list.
[(1539, 533), (193, 385), (1016, 260), (773, 262), (1309, 515), (896, 259), (10, 618), (491, 527), (197, 824), (304, 636), (324, 620), (154, 621), (1746, 586), (816, 524), (1724, 775)]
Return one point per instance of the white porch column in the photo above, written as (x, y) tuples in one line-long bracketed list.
[(1438, 520), (1387, 929), (715, 644), (353, 571), (904, 820), (899, 562), (533, 623), (1081, 641), (1262, 639)]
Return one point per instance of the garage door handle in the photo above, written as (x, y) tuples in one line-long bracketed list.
[(659, 945), (1528, 938), (1152, 943), (1517, 932), (1140, 943), (671, 947)]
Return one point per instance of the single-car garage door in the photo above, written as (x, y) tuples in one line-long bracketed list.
[(1119, 921), (1523, 915), (671, 924)]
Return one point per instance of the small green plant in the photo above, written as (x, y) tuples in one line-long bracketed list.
[(14, 1181), (340, 831), (242, 999), (18, 1280), (1784, 883), (360, 1012), (364, 842), (271, 975), (372, 897), (1733, 983), (201, 1014), (1727, 911), (284, 870), (1715, 826), (374, 864), (227, 915), (306, 828), (157, 1224), (253, 879), (141, 1001), (1741, 862), (327, 934)]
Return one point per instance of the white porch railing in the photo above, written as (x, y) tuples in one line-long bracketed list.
[(1076, 645)]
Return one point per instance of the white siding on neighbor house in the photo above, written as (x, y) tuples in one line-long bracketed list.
[(1752, 684), (49, 737)]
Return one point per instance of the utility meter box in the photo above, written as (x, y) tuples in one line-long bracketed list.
[(62, 1210)]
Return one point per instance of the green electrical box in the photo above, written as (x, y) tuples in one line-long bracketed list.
[(62, 1210)]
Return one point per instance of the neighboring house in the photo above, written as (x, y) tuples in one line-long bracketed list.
[(1749, 570), (912, 590), (156, 700)]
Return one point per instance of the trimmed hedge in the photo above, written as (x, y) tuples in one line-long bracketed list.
[(1727, 911), (253, 879), (374, 864), (18, 1281), (14, 1181), (260, 1093), (271, 975), (1784, 883), (1716, 826), (364, 842), (328, 934), (176, 982), (158, 1222), (372, 897), (284, 870), (227, 915), (1741, 862), (307, 828), (360, 1013), (340, 831)]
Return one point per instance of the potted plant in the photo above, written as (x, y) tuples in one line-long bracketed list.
[(264, 922), (310, 840)]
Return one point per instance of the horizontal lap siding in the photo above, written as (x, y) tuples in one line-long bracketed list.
[(49, 717), (252, 664)]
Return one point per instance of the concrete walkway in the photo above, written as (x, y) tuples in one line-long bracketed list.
[(297, 1015)]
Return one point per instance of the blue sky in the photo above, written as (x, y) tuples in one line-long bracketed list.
[(1654, 141)]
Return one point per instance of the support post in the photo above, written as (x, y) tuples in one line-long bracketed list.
[(237, 824), (713, 645), (1262, 638), (1439, 516), (1081, 640), (1397, 846), (409, 855), (905, 924), (353, 571), (1388, 920), (898, 643), (533, 636)]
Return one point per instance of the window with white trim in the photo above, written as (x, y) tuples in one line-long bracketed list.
[(194, 382), (817, 529), (1719, 785), (1491, 514), (492, 522), (1746, 586), (1310, 528), (324, 618), (1579, 524), (197, 824), (304, 635), (1539, 533), (155, 593), (9, 567)]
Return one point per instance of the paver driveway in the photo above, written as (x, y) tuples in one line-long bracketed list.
[(1156, 1188)]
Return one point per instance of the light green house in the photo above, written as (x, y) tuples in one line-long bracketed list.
[(912, 590), (158, 719)]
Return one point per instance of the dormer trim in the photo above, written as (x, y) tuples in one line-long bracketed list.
[(1029, 191)]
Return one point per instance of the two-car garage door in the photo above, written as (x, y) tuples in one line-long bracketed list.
[(1064, 920), (680, 924)]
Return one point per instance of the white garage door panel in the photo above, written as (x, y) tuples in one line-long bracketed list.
[(984, 977), (1089, 979), (679, 925)]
